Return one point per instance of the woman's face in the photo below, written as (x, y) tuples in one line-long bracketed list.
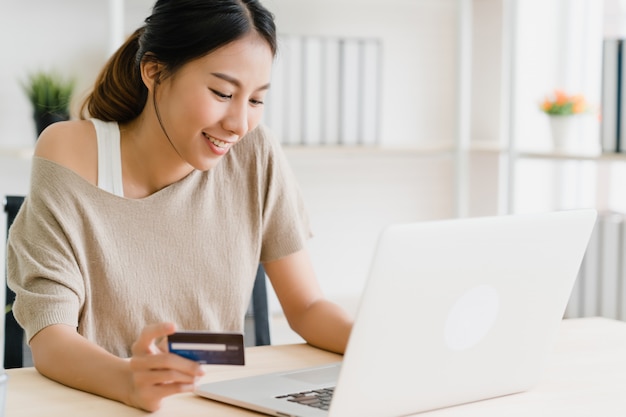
[(208, 105)]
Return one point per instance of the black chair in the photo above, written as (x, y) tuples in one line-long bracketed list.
[(13, 333), (258, 311)]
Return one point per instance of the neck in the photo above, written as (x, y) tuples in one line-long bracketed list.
[(149, 161)]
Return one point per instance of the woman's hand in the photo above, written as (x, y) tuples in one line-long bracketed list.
[(155, 372), (152, 373)]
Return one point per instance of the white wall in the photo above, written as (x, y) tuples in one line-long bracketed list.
[(68, 36), (614, 18)]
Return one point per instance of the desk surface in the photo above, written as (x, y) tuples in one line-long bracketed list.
[(585, 376)]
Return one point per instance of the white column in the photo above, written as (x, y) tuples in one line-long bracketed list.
[(116, 24), (506, 203), (464, 79)]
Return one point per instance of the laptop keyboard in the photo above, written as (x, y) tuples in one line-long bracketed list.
[(319, 398)]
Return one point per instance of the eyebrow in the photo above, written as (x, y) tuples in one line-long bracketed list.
[(235, 81)]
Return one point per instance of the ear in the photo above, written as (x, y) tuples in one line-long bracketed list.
[(150, 72)]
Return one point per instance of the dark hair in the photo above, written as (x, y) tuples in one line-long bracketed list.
[(177, 32)]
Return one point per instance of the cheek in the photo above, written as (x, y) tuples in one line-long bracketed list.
[(193, 107)]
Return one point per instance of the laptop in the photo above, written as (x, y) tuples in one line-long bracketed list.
[(454, 311)]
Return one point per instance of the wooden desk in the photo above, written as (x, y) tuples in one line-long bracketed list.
[(585, 376)]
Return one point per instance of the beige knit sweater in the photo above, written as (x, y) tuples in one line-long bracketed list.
[(109, 266)]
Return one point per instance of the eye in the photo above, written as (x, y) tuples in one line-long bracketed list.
[(221, 95), (255, 102)]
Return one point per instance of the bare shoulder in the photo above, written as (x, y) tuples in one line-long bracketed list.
[(73, 145)]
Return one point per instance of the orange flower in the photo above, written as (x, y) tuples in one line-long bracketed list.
[(561, 103), (578, 104), (561, 97)]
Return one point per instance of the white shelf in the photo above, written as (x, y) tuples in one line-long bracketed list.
[(573, 156), (21, 153)]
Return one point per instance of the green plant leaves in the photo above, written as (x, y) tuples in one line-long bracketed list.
[(49, 93)]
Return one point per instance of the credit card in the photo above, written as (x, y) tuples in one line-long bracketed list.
[(208, 348)]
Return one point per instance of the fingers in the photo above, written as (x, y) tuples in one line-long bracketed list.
[(161, 344), (156, 373), (145, 344), (160, 375), (150, 399), (166, 361)]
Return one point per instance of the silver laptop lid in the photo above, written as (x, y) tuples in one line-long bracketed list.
[(460, 310)]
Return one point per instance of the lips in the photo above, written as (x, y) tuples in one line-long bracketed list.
[(217, 142)]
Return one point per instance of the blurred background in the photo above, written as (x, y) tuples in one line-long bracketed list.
[(389, 110)]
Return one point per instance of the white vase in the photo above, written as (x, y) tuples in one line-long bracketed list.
[(566, 132)]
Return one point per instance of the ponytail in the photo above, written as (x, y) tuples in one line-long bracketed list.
[(119, 93)]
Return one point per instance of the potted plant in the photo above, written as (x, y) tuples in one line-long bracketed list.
[(50, 97), (564, 110)]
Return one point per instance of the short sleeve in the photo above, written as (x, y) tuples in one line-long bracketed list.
[(41, 267), (286, 226)]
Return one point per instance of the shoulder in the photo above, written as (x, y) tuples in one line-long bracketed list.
[(252, 152), (262, 143), (73, 145)]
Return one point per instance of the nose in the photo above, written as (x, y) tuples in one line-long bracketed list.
[(236, 119)]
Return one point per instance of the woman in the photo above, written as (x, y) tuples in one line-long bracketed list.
[(154, 214)]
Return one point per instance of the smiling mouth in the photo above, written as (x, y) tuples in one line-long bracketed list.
[(216, 142)]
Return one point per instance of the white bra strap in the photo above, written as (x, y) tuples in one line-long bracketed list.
[(109, 157)]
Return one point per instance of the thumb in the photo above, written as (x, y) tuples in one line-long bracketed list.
[(149, 337)]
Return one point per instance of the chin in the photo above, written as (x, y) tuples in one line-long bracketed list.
[(206, 165)]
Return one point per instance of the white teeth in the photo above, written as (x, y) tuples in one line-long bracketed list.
[(218, 143)]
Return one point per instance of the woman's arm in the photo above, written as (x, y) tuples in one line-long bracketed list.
[(320, 322), (63, 355)]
